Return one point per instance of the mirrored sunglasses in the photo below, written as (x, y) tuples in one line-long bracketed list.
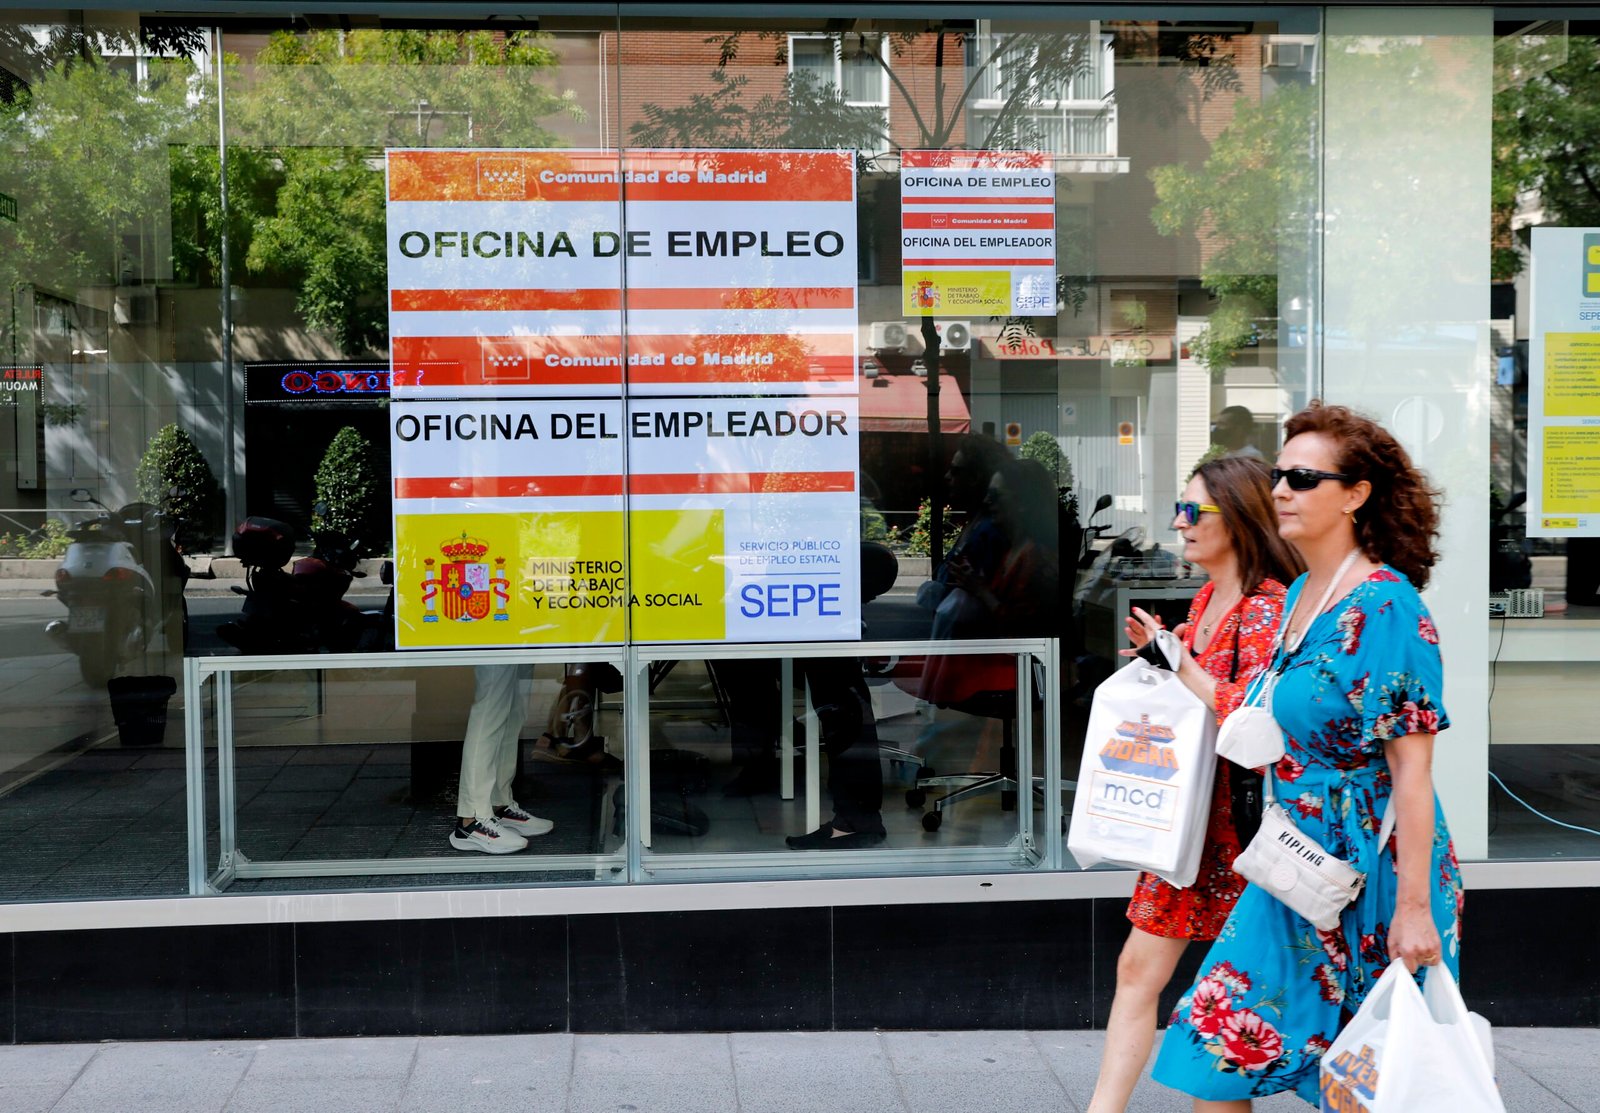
[(1304, 479), (1190, 511)]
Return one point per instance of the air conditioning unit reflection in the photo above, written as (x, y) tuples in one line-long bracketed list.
[(1282, 54), (955, 336), (888, 336)]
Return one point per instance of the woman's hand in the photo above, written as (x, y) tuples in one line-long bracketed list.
[(1141, 628), (964, 576), (1413, 938)]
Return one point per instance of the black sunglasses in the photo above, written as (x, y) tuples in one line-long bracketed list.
[(1304, 479)]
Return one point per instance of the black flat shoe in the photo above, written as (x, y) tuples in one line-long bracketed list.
[(823, 838)]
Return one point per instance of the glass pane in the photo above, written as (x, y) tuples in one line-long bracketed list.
[(405, 198), (1544, 558), (1039, 434), (863, 73), (354, 778), (115, 389)]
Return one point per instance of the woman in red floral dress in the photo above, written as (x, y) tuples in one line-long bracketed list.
[(1229, 528)]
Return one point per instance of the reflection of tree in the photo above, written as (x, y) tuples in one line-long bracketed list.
[(101, 153), (1252, 201), (1024, 69), (1546, 115), (85, 150), (308, 119)]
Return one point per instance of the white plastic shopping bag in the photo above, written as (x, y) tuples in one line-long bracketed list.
[(1144, 785), (1408, 1051)]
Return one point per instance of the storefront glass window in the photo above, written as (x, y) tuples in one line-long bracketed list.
[(1544, 559), (674, 374)]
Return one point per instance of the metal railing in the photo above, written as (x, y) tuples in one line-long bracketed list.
[(209, 686)]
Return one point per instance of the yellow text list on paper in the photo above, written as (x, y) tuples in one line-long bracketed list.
[(1571, 470), (1572, 374)]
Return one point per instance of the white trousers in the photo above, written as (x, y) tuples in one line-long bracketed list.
[(489, 750)]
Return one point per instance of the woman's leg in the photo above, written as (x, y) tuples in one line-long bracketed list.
[(1203, 1106), (1143, 971)]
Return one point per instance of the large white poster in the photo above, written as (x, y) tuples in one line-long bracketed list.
[(668, 336), (1564, 384)]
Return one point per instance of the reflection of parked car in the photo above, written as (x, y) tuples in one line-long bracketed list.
[(121, 581)]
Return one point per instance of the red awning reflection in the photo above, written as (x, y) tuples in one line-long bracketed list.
[(899, 404)]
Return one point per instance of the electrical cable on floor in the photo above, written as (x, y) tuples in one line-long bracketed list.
[(1548, 819), (1494, 668)]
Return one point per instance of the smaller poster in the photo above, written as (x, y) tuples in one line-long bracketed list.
[(1564, 384), (977, 233)]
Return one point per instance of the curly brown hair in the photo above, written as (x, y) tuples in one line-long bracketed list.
[(1242, 488), (1399, 523)]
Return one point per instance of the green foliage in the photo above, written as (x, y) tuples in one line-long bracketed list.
[(347, 492), (48, 542), (874, 526), (1253, 197), (328, 232), (1044, 448), (84, 150), (310, 118), (917, 541), (1546, 114), (173, 474)]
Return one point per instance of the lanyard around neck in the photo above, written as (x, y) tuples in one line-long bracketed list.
[(1322, 604)]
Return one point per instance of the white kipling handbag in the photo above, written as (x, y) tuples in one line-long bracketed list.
[(1298, 870)]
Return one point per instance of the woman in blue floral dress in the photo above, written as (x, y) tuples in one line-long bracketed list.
[(1359, 701)]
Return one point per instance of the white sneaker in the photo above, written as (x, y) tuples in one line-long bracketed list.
[(487, 836), (516, 818)]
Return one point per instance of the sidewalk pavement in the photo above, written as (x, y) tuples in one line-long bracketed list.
[(1541, 1070)]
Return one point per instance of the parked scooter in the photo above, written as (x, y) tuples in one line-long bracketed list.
[(302, 610), (122, 581)]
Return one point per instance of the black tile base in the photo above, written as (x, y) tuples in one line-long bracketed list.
[(185, 983), (962, 966), (1528, 956), (747, 970), (1528, 960), (467, 976)]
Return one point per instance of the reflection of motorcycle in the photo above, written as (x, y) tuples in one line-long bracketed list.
[(121, 581), (302, 610)]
